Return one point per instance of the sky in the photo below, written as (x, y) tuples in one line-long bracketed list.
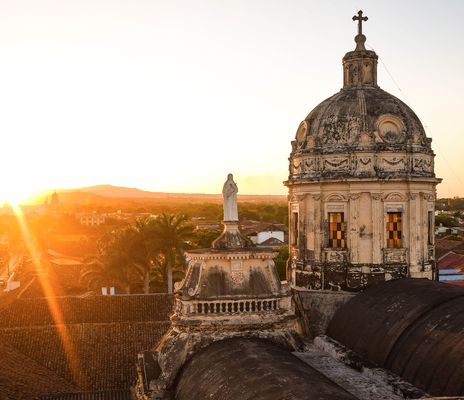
[(172, 95)]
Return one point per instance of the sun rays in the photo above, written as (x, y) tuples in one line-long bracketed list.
[(35, 253)]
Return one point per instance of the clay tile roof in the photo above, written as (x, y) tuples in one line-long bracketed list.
[(444, 246), (451, 261), (22, 377), (93, 347), (99, 395)]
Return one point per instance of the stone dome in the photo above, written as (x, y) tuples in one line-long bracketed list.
[(361, 132), (363, 116)]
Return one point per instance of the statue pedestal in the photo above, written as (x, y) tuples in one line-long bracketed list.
[(231, 238)]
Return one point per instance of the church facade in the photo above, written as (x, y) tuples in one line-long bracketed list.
[(361, 186)]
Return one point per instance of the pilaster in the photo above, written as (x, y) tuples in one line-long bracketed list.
[(377, 227), (318, 228), (353, 226)]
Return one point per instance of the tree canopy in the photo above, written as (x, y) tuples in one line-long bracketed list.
[(145, 253)]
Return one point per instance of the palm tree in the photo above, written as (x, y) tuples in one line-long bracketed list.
[(144, 249), (97, 274), (118, 263), (150, 250), (173, 233)]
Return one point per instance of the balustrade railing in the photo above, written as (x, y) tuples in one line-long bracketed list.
[(227, 306)]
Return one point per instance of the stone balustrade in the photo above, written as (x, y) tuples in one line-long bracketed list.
[(228, 306)]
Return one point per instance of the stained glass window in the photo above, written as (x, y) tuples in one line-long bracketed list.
[(336, 230), (394, 230)]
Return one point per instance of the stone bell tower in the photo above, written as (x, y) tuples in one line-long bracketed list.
[(230, 290), (361, 186)]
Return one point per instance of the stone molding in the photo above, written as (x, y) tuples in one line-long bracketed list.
[(362, 165)]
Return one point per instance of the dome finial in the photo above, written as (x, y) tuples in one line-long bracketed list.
[(360, 39)]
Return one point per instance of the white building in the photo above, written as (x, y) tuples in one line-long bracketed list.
[(92, 219)]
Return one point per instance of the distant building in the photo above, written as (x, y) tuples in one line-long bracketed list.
[(272, 242), (453, 230), (451, 268), (91, 219), (261, 232), (266, 235), (55, 201)]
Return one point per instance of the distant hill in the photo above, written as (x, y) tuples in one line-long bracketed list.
[(119, 192), (105, 194)]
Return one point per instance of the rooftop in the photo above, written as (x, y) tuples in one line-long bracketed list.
[(85, 345)]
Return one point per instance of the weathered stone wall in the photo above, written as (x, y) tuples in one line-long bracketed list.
[(316, 309), (365, 258)]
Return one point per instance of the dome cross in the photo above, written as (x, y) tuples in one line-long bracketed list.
[(360, 19)]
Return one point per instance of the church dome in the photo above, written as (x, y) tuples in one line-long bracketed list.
[(364, 116), (360, 132)]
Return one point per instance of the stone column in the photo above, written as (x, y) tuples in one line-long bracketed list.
[(414, 221), (301, 227), (377, 227), (310, 227), (353, 226), (424, 211)]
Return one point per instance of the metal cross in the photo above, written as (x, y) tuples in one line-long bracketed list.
[(360, 19)]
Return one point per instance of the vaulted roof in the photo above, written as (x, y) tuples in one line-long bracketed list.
[(413, 327)]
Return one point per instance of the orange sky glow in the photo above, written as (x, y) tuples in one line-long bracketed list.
[(173, 95)]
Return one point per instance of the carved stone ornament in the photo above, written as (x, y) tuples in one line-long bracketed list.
[(422, 164), (310, 142), (394, 256), (390, 129), (393, 197), (376, 196), (336, 164), (354, 196), (296, 166), (335, 256), (316, 197), (364, 164), (301, 134), (340, 130), (310, 164), (365, 139), (428, 196), (393, 163), (417, 139), (334, 197), (237, 278), (413, 196)]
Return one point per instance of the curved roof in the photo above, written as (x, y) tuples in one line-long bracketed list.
[(413, 327), (239, 369), (339, 120)]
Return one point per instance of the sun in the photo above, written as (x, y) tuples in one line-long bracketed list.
[(14, 195)]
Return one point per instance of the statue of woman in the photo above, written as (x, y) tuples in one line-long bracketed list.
[(229, 191)]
